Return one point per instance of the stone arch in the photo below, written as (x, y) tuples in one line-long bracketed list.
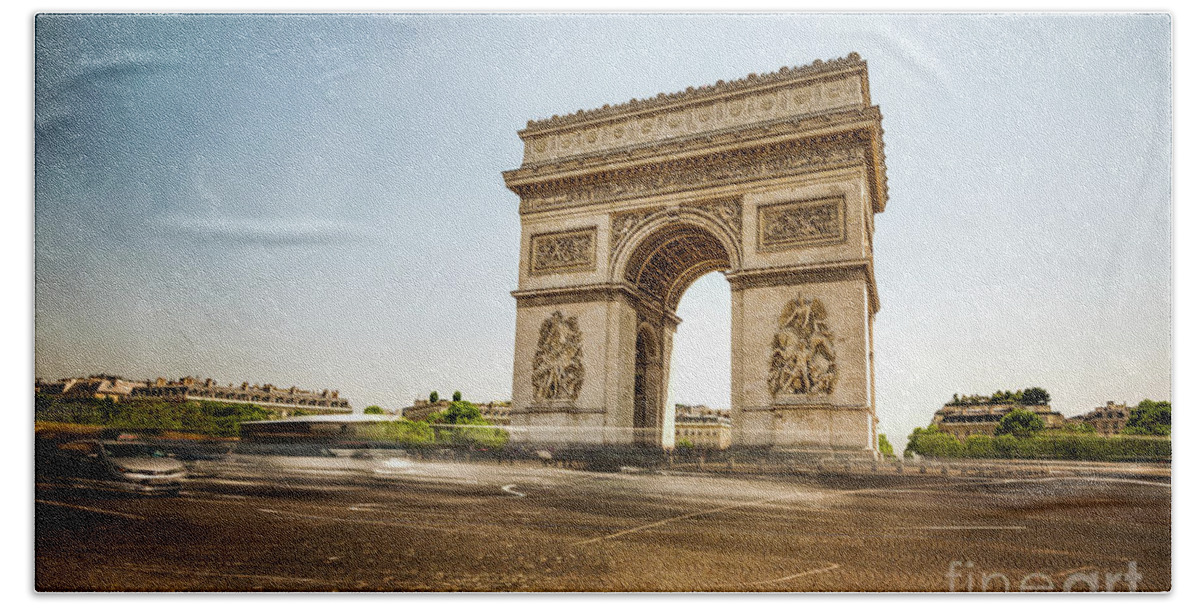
[(669, 250), (774, 179), (676, 217)]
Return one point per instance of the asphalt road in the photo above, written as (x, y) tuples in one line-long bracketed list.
[(390, 524)]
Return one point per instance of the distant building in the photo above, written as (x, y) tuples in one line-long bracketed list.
[(114, 388), (494, 412), (286, 401), (703, 427), (1108, 420), (965, 419)]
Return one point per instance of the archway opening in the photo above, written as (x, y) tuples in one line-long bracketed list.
[(700, 357), (661, 269)]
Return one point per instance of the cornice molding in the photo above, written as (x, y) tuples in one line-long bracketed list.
[(866, 118), (779, 407), (604, 292), (860, 269), (691, 94)]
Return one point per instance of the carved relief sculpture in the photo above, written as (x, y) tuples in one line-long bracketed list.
[(624, 223), (787, 225), (563, 251), (728, 211), (802, 358), (558, 363)]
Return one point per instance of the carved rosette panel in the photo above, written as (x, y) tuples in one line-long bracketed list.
[(570, 251), (803, 361), (558, 363), (799, 223)]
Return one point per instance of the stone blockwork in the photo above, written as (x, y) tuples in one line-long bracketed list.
[(773, 180)]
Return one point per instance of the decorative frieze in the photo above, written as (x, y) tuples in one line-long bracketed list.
[(678, 176), (557, 252), (801, 223), (558, 363), (802, 355)]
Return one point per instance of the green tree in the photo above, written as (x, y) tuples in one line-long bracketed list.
[(1078, 428), (939, 445), (406, 432), (683, 443), (1150, 418), (1005, 446), (885, 447), (433, 397), (457, 396), (373, 409), (463, 424), (459, 413), (932, 441), (914, 438), (1020, 424), (979, 446), (1034, 396)]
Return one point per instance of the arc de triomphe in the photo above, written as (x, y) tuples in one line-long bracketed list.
[(773, 180)]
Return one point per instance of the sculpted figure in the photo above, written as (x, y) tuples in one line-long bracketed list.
[(558, 363), (802, 354)]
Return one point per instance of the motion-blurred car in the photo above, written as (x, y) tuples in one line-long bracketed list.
[(123, 466)]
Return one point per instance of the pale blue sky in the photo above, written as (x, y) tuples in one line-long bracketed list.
[(317, 200)]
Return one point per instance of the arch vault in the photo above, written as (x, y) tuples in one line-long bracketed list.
[(773, 180)]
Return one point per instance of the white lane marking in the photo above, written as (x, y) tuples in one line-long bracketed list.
[(509, 488), (964, 528), (92, 509), (798, 575), (1064, 573), (363, 506), (933, 486), (210, 495), (1095, 479), (663, 522), (235, 482), (376, 522), (1135, 481)]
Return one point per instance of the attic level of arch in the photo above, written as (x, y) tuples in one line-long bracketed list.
[(667, 174)]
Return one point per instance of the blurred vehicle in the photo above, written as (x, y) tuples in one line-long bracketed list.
[(122, 466)]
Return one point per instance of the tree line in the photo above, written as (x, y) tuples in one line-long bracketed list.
[(212, 418), (1022, 434), (1029, 396)]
